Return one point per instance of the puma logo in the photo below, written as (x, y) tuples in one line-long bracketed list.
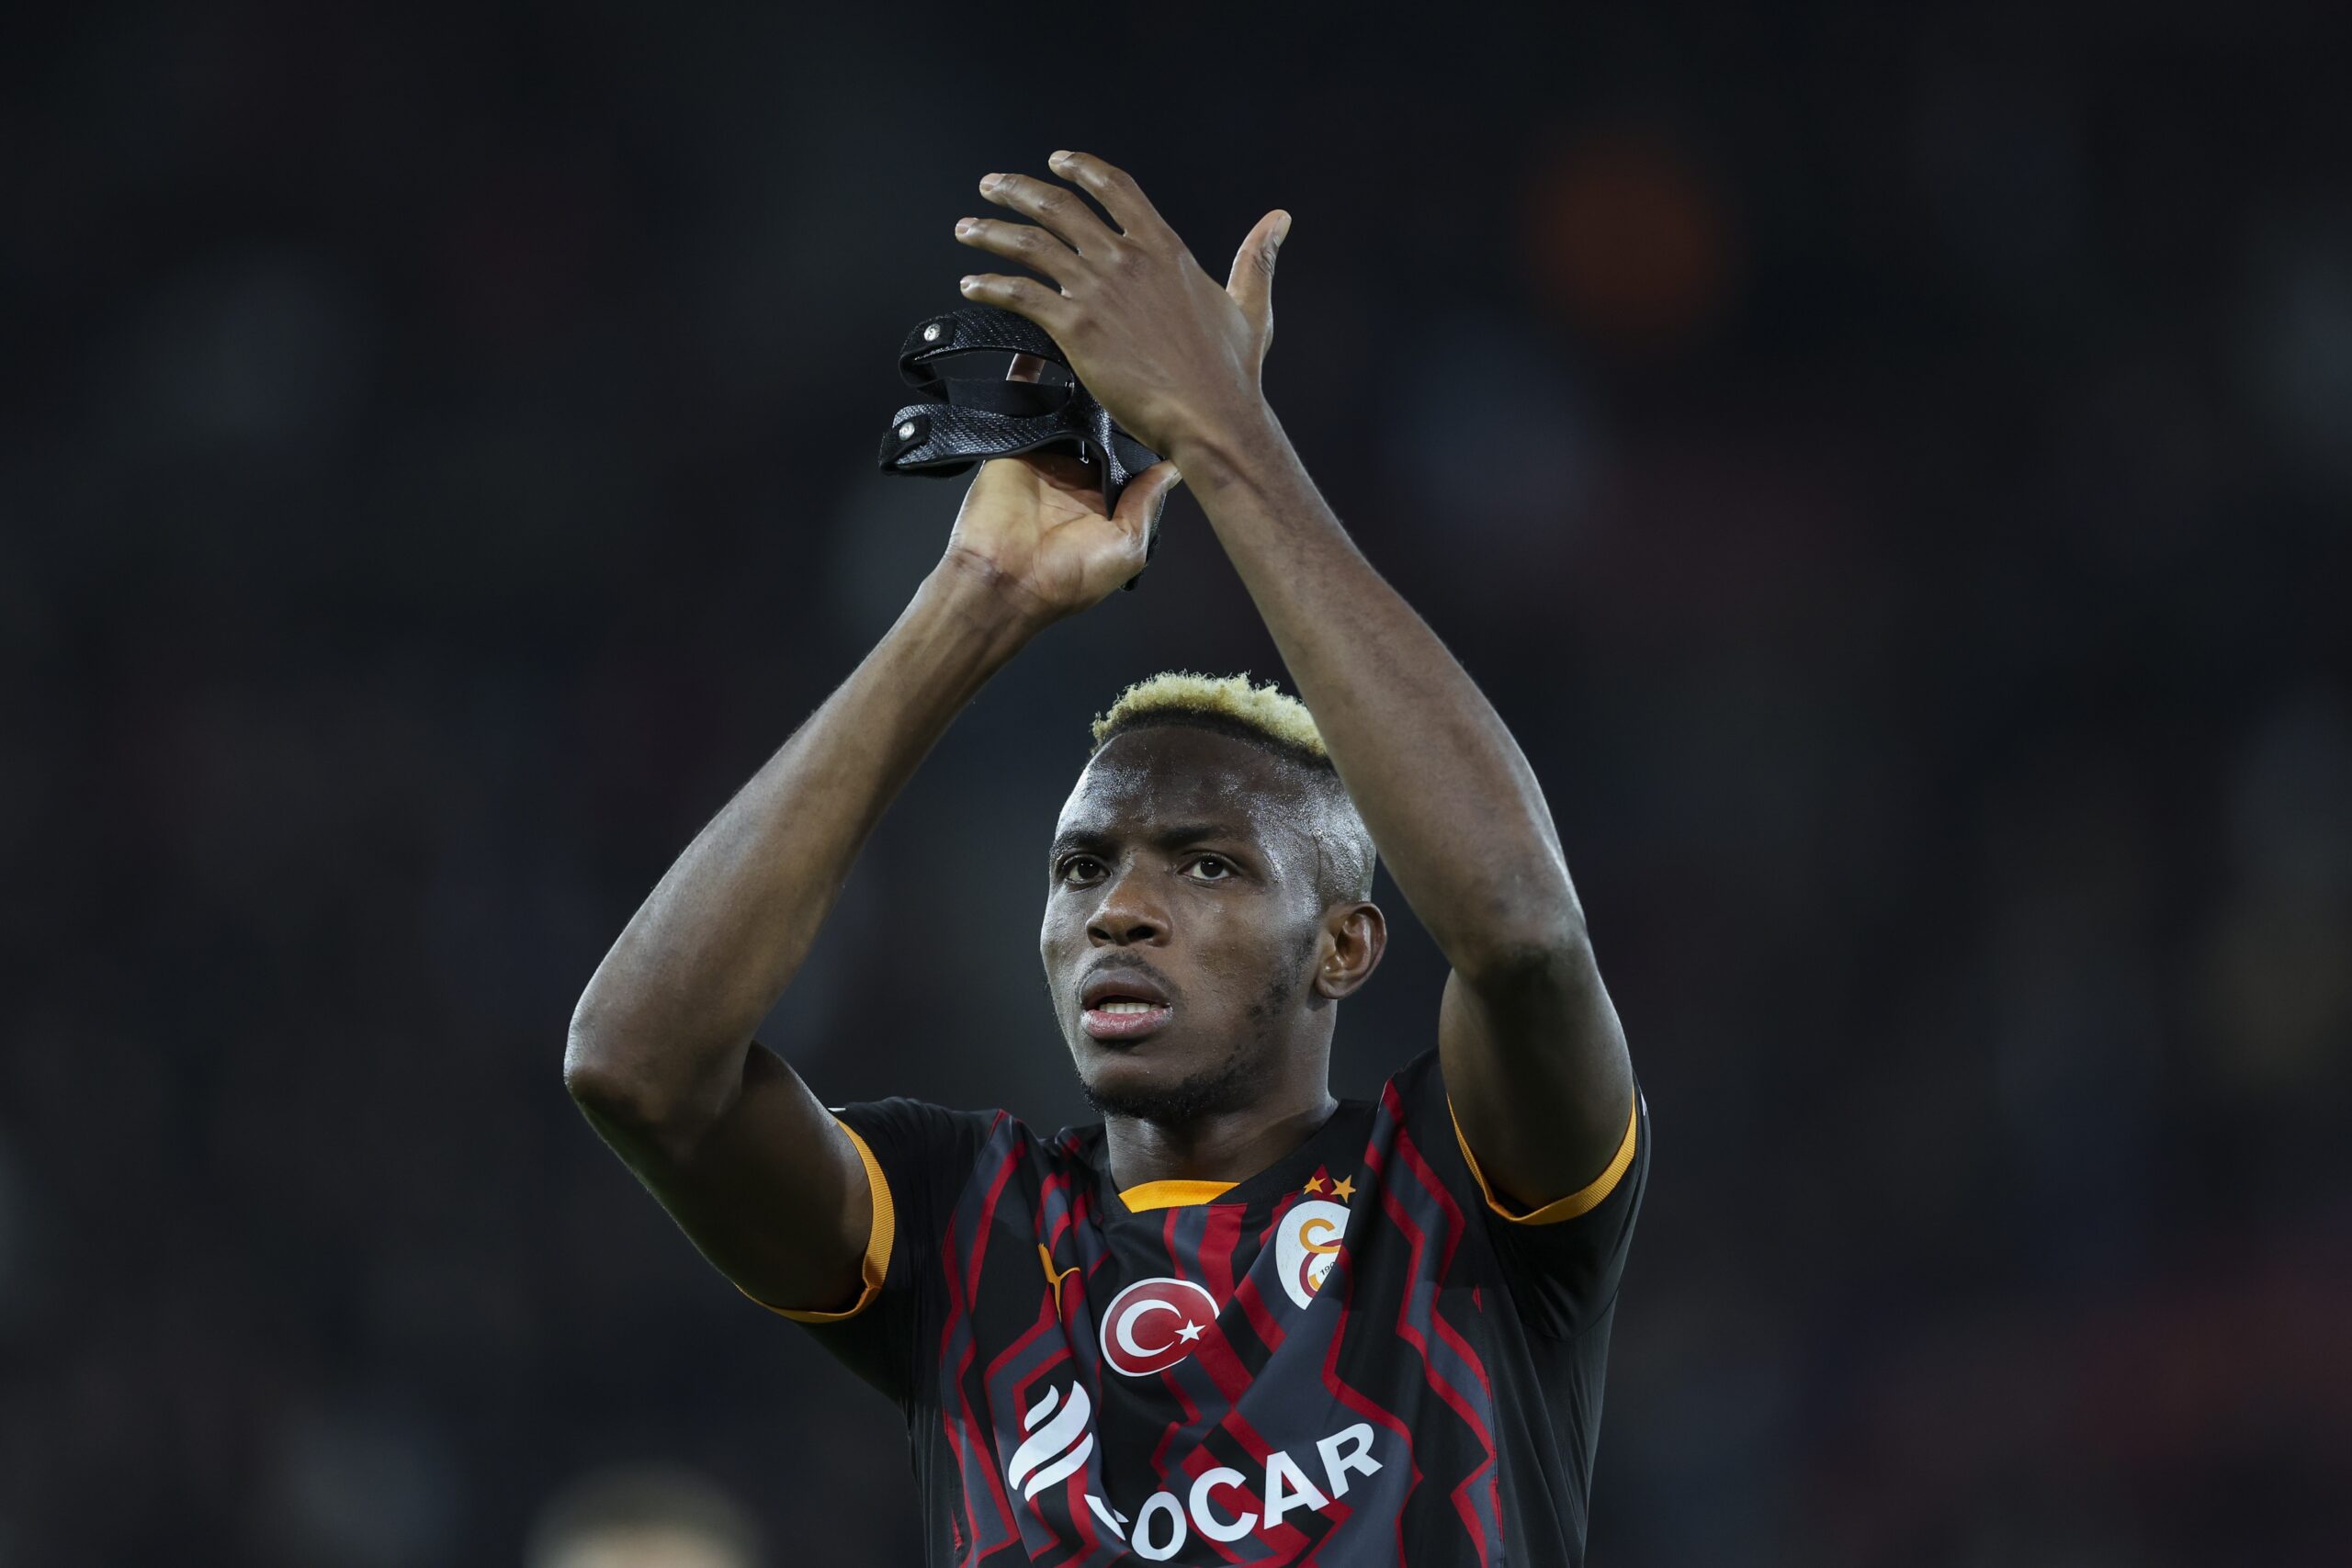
[(1054, 1280)]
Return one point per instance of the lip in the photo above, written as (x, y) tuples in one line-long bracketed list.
[(1132, 985), (1125, 1025)]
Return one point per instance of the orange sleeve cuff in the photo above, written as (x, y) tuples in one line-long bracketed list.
[(879, 1236), (1585, 1198)]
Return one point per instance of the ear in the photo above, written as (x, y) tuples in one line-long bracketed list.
[(1359, 935)]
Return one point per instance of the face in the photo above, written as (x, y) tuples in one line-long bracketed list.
[(1187, 862)]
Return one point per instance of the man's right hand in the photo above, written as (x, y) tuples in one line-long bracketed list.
[(1032, 528)]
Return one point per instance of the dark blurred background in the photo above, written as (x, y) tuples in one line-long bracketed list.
[(1890, 466)]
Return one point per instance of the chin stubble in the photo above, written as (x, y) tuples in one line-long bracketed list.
[(1228, 1085)]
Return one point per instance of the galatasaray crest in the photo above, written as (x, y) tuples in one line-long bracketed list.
[(1306, 1243)]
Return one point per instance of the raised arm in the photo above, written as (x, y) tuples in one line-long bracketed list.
[(1534, 1058), (660, 1057)]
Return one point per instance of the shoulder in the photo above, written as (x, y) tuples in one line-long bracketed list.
[(1415, 1100), (1422, 1077), (1075, 1145), (915, 1144), (1415, 1094), (917, 1134), (914, 1122)]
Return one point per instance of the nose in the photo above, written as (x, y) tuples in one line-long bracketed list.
[(1127, 914)]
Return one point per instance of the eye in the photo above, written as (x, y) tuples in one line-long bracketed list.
[(1223, 866), (1074, 861)]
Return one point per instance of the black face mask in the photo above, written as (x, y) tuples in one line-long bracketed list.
[(968, 420)]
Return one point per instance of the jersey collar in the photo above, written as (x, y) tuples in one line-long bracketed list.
[(1339, 1141)]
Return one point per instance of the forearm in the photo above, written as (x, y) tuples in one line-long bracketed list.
[(665, 1025), (1406, 726)]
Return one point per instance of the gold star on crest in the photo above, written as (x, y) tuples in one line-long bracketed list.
[(1343, 1191), (1314, 1184)]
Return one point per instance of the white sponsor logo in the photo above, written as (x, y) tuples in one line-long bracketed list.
[(1057, 1444), (1307, 1245), (1154, 1324), (1212, 1503)]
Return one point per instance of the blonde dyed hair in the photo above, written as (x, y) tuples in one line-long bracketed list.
[(1267, 709), (1271, 715)]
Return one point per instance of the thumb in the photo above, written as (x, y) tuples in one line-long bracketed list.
[(1140, 506), (1146, 493), (1252, 280)]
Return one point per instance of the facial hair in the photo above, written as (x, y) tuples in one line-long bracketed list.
[(1228, 1085)]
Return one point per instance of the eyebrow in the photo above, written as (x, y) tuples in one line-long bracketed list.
[(1174, 836)]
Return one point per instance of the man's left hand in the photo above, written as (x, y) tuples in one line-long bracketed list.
[(1174, 356)]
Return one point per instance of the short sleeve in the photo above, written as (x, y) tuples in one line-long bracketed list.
[(1565, 1270), (1563, 1261), (917, 1157)]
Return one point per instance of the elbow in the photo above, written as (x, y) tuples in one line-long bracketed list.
[(624, 1088), (597, 1075), (593, 1081)]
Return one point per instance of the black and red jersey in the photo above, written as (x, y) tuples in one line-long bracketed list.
[(1356, 1357)]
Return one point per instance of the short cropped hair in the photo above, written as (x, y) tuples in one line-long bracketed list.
[(1273, 713), (629, 1499), (1274, 721)]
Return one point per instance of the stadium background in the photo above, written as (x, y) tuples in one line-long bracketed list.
[(1890, 469)]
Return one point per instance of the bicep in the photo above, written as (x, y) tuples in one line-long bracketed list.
[(1537, 1072), (772, 1190)]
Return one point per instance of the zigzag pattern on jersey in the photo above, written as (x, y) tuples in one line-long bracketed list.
[(1383, 1341)]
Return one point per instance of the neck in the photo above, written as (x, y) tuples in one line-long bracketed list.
[(1227, 1145)]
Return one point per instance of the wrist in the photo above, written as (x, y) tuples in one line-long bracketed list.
[(976, 593), (1215, 453)]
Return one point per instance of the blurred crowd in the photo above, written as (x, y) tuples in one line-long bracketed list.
[(1890, 469)]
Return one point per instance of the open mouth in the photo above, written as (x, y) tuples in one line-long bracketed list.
[(1126, 1017), (1123, 1000)]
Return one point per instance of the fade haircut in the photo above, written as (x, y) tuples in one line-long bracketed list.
[(1276, 723)]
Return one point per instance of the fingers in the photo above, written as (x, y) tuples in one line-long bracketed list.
[(1060, 211), (1139, 508), (1146, 495), (1023, 242), (1021, 296), (1251, 283), (1116, 190), (1026, 367)]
